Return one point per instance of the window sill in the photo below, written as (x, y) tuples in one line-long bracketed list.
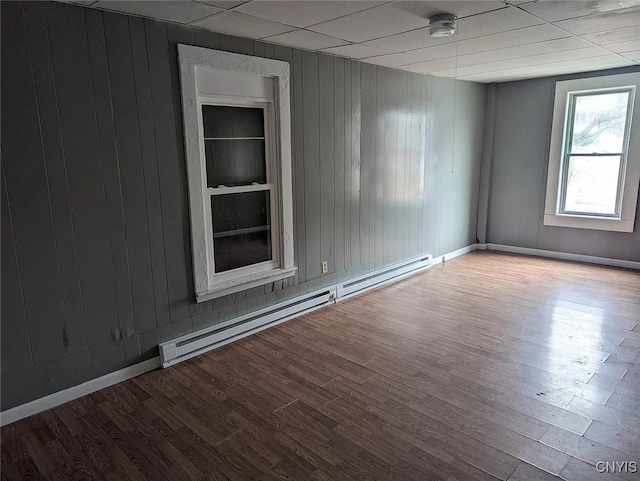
[(594, 223), (244, 282)]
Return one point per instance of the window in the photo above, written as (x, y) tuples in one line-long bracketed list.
[(594, 160), (237, 137)]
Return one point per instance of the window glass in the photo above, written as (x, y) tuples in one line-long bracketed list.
[(599, 123), (234, 145), (241, 229), (592, 184), (224, 122), (235, 162)]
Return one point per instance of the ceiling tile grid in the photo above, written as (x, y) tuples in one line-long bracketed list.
[(496, 40)]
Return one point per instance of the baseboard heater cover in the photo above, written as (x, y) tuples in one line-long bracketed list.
[(383, 276), (199, 342)]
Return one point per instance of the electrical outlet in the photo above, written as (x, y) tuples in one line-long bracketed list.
[(325, 267)]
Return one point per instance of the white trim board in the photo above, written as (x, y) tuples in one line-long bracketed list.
[(52, 400), (456, 253), (567, 256)]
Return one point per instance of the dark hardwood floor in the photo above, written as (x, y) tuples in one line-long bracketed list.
[(487, 367)]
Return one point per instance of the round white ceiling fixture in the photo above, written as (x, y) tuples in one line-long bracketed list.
[(443, 25)]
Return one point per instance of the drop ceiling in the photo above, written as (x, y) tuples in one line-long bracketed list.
[(496, 41)]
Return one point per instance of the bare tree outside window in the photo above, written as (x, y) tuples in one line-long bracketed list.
[(595, 152)]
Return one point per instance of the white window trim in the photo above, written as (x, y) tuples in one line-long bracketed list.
[(208, 285), (552, 216)]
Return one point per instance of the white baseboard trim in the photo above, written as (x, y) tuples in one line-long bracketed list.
[(605, 261), (456, 253), (52, 400)]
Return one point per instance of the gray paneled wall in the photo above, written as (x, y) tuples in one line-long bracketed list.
[(522, 134), (96, 261)]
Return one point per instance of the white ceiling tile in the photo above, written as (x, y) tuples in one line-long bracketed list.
[(635, 55), (373, 23), (435, 53), (392, 60), (556, 10), (629, 46), (564, 56), (304, 13), (356, 51), (614, 36), (496, 21), (521, 51), (454, 50), (458, 8), (226, 4), (580, 65), (305, 39), (511, 38), (409, 41), (432, 66), (629, 17), (238, 24), (174, 11)]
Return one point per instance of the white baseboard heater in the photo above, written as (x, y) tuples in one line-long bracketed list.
[(199, 342), (381, 277)]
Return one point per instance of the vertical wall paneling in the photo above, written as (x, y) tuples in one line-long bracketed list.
[(56, 174), (226, 43), (151, 175), (423, 166), (258, 49), (268, 50), (401, 205), (73, 76), (348, 157), (207, 39), (16, 346), (28, 193), (370, 124), (390, 161), (134, 196), (327, 161), (379, 133), (412, 162), (96, 258), (110, 163), (365, 166), (242, 45), (338, 157), (311, 162), (173, 220), (299, 165), (356, 122)]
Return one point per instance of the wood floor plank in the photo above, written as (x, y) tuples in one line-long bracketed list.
[(625, 439), (605, 414), (493, 367), (587, 450)]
